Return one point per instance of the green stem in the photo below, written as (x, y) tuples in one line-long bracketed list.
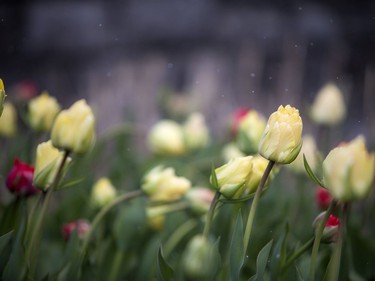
[(35, 235), (318, 237), (254, 205), (333, 273), (298, 253), (103, 212), (176, 237), (210, 214), (116, 264)]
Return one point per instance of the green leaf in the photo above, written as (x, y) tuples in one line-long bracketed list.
[(5, 248), (236, 251), (279, 254), (70, 183), (262, 261), (311, 173), (16, 266), (164, 271)]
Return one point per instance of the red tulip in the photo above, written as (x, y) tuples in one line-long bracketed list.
[(238, 115), (81, 226), (20, 179), (323, 198)]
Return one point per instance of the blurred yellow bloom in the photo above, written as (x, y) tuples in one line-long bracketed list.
[(167, 137), (259, 166), (196, 133), (2, 96), (42, 112), (281, 140), (103, 192), (348, 170), (163, 184), (328, 107), (200, 199), (251, 128), (8, 121), (231, 151), (311, 152), (47, 163), (74, 128), (233, 176), (199, 258), (155, 219)]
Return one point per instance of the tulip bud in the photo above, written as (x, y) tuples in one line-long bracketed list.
[(200, 199), (331, 229), (348, 170), (167, 137), (199, 258), (2, 96), (74, 128), (233, 176), (231, 151), (310, 150), (195, 132), (259, 167), (20, 179), (42, 112), (328, 107), (163, 184), (81, 226), (323, 198), (281, 140), (8, 121), (103, 192), (251, 128), (48, 161)]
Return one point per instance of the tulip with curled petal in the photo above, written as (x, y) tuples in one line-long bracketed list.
[(281, 141), (348, 170), (74, 128)]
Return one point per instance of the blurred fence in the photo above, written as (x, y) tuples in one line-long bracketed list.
[(216, 56)]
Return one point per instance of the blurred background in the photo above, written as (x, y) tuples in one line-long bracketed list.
[(143, 60)]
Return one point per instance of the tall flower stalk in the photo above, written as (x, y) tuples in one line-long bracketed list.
[(254, 205), (36, 233)]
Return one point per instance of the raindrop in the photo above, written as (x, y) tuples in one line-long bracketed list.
[(311, 44), (222, 95), (252, 75), (300, 8), (253, 92), (170, 65), (218, 70), (295, 45), (100, 25), (270, 78), (286, 90), (109, 74)]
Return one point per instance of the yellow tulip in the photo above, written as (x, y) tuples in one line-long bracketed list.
[(47, 163), (74, 128), (328, 107), (163, 184), (348, 170), (232, 177), (42, 112), (167, 137), (281, 140), (103, 192), (8, 121), (199, 199), (251, 128)]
